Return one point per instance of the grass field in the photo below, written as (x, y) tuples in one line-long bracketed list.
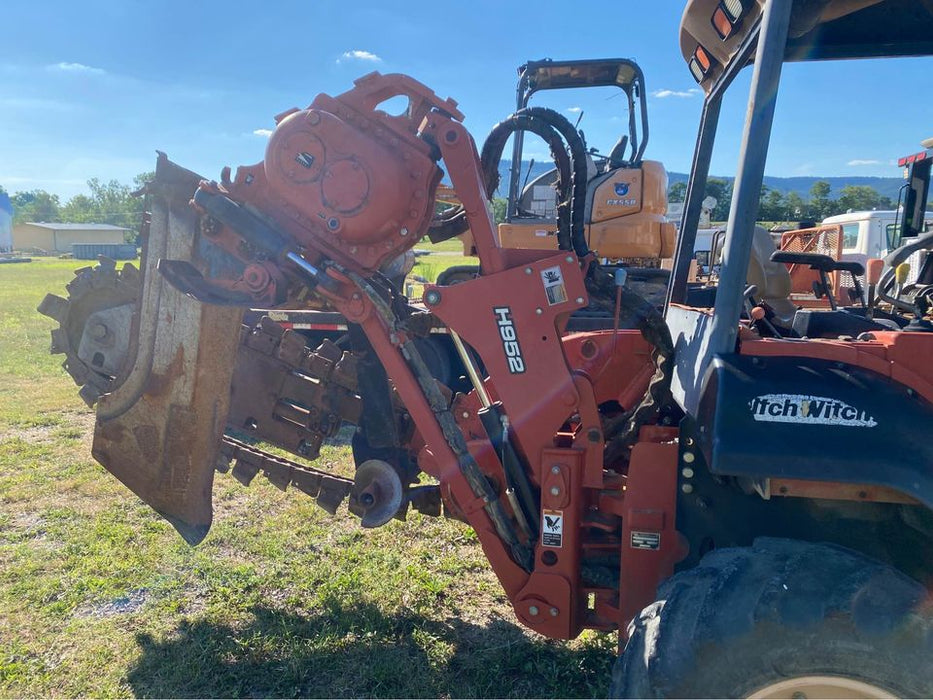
[(100, 597)]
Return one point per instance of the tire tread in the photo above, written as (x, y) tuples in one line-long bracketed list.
[(714, 629)]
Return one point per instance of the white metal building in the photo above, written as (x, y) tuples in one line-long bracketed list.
[(58, 238)]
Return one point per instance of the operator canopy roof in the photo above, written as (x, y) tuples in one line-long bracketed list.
[(553, 75), (819, 29)]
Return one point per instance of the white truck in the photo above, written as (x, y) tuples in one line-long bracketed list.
[(867, 234), (873, 234)]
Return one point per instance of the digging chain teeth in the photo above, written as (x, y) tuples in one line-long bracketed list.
[(94, 355), (328, 490)]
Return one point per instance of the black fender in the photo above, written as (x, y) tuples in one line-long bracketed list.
[(804, 418)]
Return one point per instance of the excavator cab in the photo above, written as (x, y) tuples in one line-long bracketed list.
[(626, 196)]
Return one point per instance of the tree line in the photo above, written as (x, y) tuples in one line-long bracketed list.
[(114, 203), (774, 205), (107, 203)]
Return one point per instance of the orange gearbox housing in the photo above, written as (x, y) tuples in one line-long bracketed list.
[(347, 180)]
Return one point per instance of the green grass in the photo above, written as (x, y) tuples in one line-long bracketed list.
[(453, 245), (100, 597), (440, 257)]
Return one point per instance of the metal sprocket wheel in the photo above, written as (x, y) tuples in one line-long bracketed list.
[(94, 348)]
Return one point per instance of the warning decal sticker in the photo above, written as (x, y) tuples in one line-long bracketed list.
[(553, 280), (552, 528)]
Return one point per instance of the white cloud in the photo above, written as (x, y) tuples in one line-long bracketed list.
[(661, 94), (357, 55), (575, 110), (266, 133), (76, 68), (859, 161), (37, 103)]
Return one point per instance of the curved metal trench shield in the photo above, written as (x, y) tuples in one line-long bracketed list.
[(159, 430)]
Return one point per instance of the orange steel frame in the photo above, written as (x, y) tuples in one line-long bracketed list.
[(554, 419), (553, 411)]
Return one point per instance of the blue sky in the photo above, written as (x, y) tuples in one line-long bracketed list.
[(92, 89)]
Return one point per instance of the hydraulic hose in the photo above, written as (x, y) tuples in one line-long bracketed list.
[(492, 153), (621, 432), (454, 222), (578, 162)]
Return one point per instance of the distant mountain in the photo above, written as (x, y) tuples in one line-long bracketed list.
[(885, 186), (537, 168)]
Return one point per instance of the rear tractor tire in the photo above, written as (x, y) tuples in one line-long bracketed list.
[(781, 619)]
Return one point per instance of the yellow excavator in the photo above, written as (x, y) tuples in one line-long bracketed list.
[(619, 199)]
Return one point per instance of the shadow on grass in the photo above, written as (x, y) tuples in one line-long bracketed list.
[(358, 651)]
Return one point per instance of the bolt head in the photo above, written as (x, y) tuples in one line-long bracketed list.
[(689, 457), (687, 488), (403, 232), (555, 469), (99, 331), (555, 490), (569, 258), (465, 414), (527, 270), (533, 610), (687, 472), (539, 311), (432, 297), (579, 300), (554, 612)]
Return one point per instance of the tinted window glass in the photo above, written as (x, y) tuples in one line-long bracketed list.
[(893, 232), (850, 236)]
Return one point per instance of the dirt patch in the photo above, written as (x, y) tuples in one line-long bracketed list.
[(32, 523), (32, 434), (125, 604), (71, 423)]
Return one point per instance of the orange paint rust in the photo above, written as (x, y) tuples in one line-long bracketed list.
[(837, 491)]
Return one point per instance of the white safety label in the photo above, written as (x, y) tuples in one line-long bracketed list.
[(552, 528), (646, 540), (553, 279)]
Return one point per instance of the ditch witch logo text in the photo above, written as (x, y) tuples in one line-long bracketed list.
[(808, 410)]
